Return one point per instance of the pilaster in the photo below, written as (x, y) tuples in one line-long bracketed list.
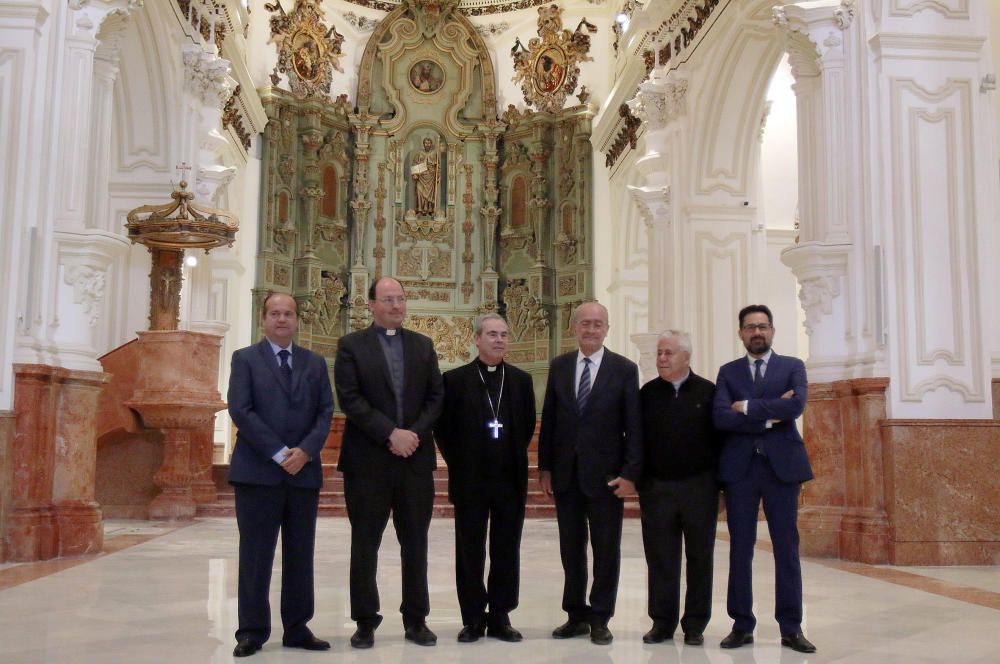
[(936, 203)]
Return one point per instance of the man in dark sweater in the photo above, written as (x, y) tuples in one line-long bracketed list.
[(678, 492)]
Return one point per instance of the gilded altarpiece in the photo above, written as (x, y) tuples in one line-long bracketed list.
[(304, 238), (471, 211)]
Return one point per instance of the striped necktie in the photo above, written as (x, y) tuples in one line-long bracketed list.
[(584, 391)]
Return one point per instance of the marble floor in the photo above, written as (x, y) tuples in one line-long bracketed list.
[(166, 593)]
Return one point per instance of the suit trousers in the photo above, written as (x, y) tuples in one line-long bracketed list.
[(781, 510), (602, 515), (675, 511), (500, 508), (261, 510), (370, 498)]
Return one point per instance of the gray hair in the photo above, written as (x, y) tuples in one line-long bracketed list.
[(576, 311), (477, 327), (683, 339)]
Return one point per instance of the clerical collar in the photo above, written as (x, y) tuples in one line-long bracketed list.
[(385, 331), (488, 367)]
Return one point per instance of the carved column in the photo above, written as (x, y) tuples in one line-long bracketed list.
[(659, 103), (820, 43), (490, 213), (361, 206)]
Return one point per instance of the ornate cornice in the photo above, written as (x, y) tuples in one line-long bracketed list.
[(625, 138), (679, 31), (466, 7)]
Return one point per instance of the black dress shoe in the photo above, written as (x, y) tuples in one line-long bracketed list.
[(601, 635), (308, 643), (569, 629), (658, 634), (694, 639), (504, 633), (245, 648), (363, 637), (421, 635), (736, 638), (472, 633), (798, 642)]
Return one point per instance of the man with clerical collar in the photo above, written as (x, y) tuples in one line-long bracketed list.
[(678, 491), (483, 434), (389, 389)]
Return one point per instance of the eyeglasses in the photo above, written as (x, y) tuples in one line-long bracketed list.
[(759, 327), (389, 301)]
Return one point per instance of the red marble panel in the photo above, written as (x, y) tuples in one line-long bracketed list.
[(7, 421), (944, 491)]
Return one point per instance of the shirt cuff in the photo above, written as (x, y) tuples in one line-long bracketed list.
[(280, 456), (745, 406)]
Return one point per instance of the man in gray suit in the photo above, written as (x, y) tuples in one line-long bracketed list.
[(281, 403), (590, 456), (389, 388)]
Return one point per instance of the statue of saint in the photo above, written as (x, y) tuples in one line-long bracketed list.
[(425, 171)]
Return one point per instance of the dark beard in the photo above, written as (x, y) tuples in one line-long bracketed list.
[(758, 346)]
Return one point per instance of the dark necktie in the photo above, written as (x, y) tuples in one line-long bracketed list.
[(286, 368), (584, 391), (757, 375)]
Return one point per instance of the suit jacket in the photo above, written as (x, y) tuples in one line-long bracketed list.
[(460, 429), (269, 414), (604, 441), (365, 394), (782, 443)]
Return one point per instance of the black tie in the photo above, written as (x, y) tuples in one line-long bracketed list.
[(286, 368), (584, 391), (757, 365)]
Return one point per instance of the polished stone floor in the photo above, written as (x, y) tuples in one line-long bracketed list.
[(166, 594)]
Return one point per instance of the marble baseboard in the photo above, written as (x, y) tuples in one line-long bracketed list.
[(6, 480), (904, 492)]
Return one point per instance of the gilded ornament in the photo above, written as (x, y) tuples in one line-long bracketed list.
[(308, 52), (549, 68)]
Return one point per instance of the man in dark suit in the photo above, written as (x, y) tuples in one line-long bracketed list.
[(763, 458), (389, 388), (281, 403), (483, 434), (590, 456), (678, 492)]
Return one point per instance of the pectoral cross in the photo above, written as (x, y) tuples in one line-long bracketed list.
[(495, 427)]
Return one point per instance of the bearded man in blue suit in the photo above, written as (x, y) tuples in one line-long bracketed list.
[(763, 458), (281, 403)]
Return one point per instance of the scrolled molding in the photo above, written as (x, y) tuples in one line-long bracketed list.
[(85, 256), (206, 76), (660, 102), (819, 268), (809, 31), (654, 203)]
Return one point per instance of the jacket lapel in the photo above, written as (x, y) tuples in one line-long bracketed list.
[(271, 362), (375, 351)]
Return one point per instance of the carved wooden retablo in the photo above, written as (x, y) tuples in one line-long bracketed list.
[(422, 180)]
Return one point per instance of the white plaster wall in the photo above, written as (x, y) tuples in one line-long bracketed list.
[(778, 154)]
